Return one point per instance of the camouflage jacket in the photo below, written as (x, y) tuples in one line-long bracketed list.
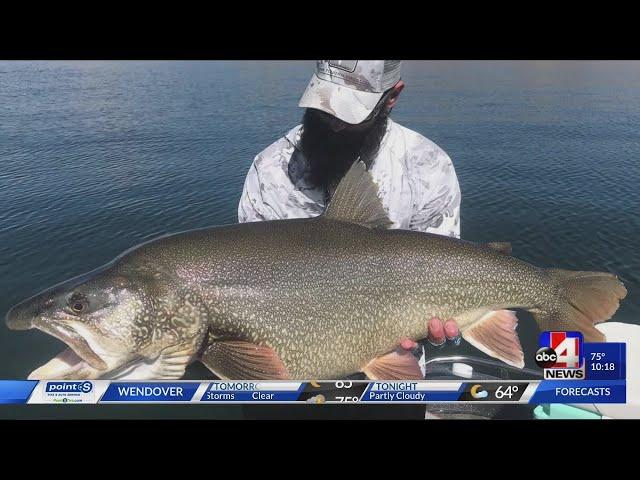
[(417, 183)]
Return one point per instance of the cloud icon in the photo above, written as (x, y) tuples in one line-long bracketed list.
[(477, 392)]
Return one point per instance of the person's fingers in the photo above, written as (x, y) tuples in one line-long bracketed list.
[(451, 329), (408, 344), (452, 332), (436, 335)]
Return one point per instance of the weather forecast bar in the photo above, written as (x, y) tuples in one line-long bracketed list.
[(339, 391), (574, 372)]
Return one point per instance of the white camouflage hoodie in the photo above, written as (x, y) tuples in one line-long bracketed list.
[(417, 183)]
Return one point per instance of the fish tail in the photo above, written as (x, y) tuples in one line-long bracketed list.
[(583, 299)]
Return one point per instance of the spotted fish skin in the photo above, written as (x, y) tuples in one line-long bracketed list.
[(328, 296), (316, 298)]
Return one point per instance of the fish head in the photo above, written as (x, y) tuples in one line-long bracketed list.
[(100, 317)]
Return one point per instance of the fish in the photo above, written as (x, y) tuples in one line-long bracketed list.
[(320, 298)]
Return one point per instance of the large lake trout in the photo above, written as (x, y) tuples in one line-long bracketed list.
[(318, 298)]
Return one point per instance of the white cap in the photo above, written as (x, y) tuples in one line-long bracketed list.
[(350, 89)]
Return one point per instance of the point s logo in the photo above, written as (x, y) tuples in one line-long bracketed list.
[(69, 387)]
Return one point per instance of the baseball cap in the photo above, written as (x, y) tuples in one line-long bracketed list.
[(350, 89)]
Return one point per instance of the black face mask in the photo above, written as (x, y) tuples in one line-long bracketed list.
[(331, 153)]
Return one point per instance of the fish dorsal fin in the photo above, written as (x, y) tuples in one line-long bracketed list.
[(502, 247), (356, 200)]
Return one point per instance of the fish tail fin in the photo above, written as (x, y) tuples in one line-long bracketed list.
[(585, 299)]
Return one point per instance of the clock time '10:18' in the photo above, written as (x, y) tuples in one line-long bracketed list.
[(609, 366)]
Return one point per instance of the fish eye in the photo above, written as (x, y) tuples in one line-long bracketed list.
[(78, 304)]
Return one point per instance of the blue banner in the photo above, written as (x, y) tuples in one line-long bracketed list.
[(404, 396), (580, 391), (245, 396), (605, 361), (16, 391), (150, 392)]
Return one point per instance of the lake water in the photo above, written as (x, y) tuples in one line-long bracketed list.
[(96, 157)]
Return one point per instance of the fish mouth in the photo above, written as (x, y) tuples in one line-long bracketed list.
[(17, 320), (79, 346)]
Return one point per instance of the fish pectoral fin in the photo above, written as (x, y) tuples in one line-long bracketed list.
[(172, 362), (241, 360), (396, 365), (495, 334)]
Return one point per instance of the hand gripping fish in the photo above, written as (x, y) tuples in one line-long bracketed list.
[(319, 298)]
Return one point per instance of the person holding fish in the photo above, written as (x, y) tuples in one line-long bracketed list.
[(348, 103), (360, 253)]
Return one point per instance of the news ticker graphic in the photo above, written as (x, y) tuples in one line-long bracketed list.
[(574, 372), (312, 392)]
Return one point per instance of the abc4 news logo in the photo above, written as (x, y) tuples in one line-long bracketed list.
[(561, 355)]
